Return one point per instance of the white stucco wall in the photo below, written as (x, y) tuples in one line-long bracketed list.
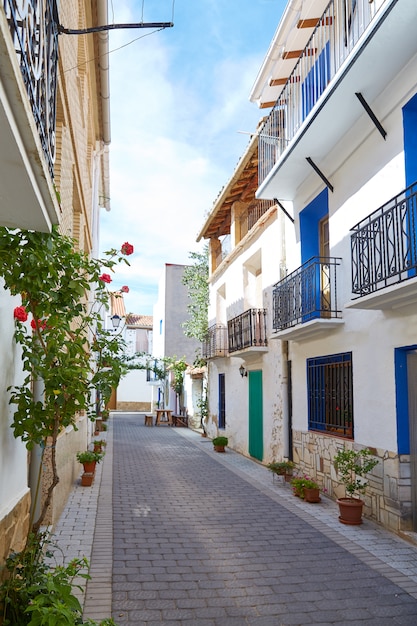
[(169, 313), (369, 178), (134, 388), (262, 253)]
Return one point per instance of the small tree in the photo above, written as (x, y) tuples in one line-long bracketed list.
[(195, 278), (177, 367)]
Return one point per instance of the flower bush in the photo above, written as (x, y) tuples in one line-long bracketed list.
[(65, 346), (300, 483), (281, 467)]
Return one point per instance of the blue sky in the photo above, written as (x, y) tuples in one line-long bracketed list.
[(180, 114)]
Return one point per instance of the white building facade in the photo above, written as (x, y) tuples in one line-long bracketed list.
[(53, 171), (345, 155), (247, 376), (337, 154)]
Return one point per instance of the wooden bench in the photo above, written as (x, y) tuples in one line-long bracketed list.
[(148, 420), (180, 419)]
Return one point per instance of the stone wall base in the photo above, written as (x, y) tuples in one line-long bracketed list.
[(388, 496), (135, 407), (14, 528)]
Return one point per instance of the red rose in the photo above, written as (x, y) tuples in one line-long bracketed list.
[(125, 289), (41, 324), (106, 278), (127, 248), (20, 314)]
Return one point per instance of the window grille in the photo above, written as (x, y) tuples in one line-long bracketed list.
[(330, 394)]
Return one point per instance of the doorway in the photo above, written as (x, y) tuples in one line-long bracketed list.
[(256, 435)]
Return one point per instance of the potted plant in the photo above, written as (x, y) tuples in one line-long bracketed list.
[(352, 466), (219, 443), (89, 460), (99, 444), (306, 488), (282, 468)]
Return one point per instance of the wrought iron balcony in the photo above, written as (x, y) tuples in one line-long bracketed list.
[(215, 344), (384, 245), (247, 330), (308, 293), (33, 26), (332, 41), (252, 214)]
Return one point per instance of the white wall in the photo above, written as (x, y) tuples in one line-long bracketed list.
[(266, 250), (169, 313), (134, 388), (368, 179)]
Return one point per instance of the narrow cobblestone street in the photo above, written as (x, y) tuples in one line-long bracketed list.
[(195, 543), (208, 539)]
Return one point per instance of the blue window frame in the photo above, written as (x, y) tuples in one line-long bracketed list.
[(330, 394)]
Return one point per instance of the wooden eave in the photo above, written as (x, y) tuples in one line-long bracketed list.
[(240, 188)]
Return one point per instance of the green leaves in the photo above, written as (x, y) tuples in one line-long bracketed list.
[(195, 278)]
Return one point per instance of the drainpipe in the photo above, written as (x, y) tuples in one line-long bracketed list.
[(103, 65), (286, 382)]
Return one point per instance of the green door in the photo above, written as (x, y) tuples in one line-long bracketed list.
[(256, 439)]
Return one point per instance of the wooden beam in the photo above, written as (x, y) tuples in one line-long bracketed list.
[(295, 54), (310, 23), (275, 82), (267, 105), (313, 22)]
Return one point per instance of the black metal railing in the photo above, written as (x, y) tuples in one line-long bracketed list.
[(33, 27), (337, 32), (384, 245), (310, 292), (215, 343), (247, 330), (252, 214)]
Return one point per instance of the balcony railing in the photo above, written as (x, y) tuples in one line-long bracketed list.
[(336, 33), (224, 249), (247, 330), (384, 245), (308, 293), (33, 27), (215, 344), (252, 214)]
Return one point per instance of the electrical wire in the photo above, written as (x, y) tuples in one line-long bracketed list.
[(126, 44)]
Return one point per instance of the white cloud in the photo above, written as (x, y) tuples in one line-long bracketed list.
[(178, 99)]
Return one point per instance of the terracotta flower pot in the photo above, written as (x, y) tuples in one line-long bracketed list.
[(89, 467), (87, 479), (312, 495), (350, 510), (219, 448)]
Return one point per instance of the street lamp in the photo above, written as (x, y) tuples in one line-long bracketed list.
[(115, 320)]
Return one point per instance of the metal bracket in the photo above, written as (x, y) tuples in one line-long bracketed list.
[(284, 210), (320, 173), (371, 114)]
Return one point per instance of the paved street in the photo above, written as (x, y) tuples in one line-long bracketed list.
[(208, 539)]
